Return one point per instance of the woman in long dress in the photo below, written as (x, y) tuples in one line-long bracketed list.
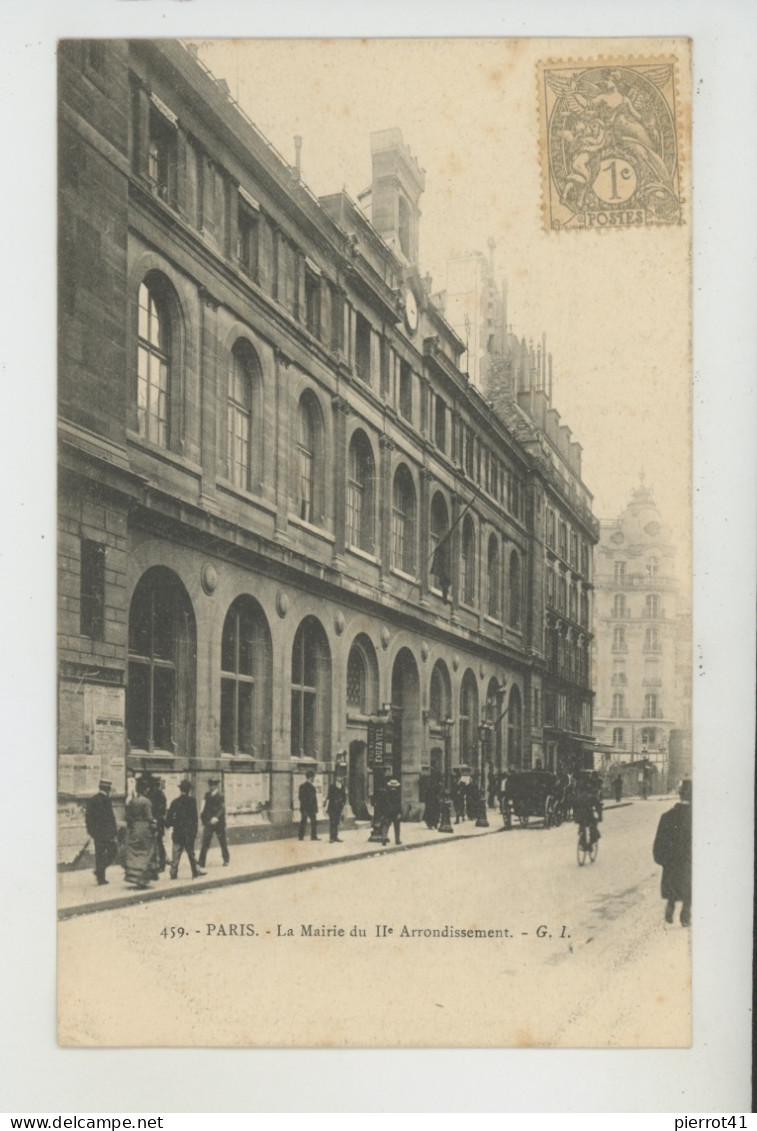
[(141, 864)]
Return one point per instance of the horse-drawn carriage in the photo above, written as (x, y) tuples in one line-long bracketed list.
[(532, 794)]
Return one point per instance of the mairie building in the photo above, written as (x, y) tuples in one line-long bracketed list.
[(288, 521)]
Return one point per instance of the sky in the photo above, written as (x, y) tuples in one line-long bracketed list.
[(614, 305)]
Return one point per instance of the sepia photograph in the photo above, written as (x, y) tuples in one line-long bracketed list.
[(374, 545)]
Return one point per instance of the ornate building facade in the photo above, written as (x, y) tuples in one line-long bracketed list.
[(286, 517)]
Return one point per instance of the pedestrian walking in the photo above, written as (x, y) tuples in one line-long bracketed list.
[(182, 819), (433, 803), (617, 786), (308, 799), (472, 798), (101, 826), (672, 850), (141, 862), (457, 796), (492, 787), (390, 809), (213, 819), (335, 802), (157, 799)]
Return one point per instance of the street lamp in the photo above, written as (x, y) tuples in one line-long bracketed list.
[(484, 734), (445, 809)]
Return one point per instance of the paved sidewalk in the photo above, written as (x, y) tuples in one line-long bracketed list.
[(78, 894)]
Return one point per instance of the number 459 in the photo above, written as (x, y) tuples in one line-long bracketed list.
[(173, 932)]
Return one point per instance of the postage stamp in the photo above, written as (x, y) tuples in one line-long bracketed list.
[(610, 145)]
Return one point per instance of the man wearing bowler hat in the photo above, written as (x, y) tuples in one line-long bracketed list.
[(213, 819), (101, 826), (672, 849)]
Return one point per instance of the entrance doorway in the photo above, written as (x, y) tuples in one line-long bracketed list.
[(357, 787)]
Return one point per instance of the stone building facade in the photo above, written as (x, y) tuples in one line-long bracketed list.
[(643, 645), (287, 521)]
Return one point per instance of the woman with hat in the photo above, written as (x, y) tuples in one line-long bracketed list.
[(141, 864)]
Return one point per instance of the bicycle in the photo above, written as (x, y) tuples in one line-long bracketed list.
[(585, 846)]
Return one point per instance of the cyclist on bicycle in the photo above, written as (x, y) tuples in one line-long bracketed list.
[(587, 811)]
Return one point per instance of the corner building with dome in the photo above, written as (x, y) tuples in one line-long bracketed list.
[(292, 533)]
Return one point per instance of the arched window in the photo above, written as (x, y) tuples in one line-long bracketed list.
[(618, 705), (362, 677), (440, 555), (311, 691), (245, 680), (469, 561), (652, 605), (154, 363), (403, 521), (310, 461), (652, 640), (468, 729), (619, 638), (651, 706), (360, 493), (244, 376), (618, 737), (160, 695), (492, 577), (515, 594), (619, 605), (514, 729), (440, 700)]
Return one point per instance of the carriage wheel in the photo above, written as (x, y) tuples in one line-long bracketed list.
[(593, 851), (557, 815)]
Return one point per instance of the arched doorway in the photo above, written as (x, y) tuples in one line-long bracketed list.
[(406, 709)]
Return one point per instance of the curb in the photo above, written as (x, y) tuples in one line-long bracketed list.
[(154, 894)]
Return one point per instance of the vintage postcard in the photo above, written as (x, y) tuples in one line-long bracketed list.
[(374, 543)]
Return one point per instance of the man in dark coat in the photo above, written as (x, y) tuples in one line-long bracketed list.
[(335, 802), (101, 826), (308, 799), (213, 819), (492, 786), (157, 799), (617, 785), (672, 849), (182, 818), (390, 809)]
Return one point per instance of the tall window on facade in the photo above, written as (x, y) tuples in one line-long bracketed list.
[(245, 664), (439, 701), (653, 566), (514, 729), (311, 690), (584, 610), (362, 348), (619, 605), (618, 739), (362, 677), (468, 729), (468, 455), (619, 573), (492, 577), (585, 560), (242, 373), (248, 238), (162, 647), (406, 391), (403, 521), (618, 705), (440, 424), (562, 593), (652, 706), (515, 590), (153, 364), (619, 638), (468, 578), (308, 460), (92, 590), (161, 156), (648, 736), (550, 528), (441, 574), (360, 493), (652, 605), (652, 640), (313, 302), (562, 540)]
